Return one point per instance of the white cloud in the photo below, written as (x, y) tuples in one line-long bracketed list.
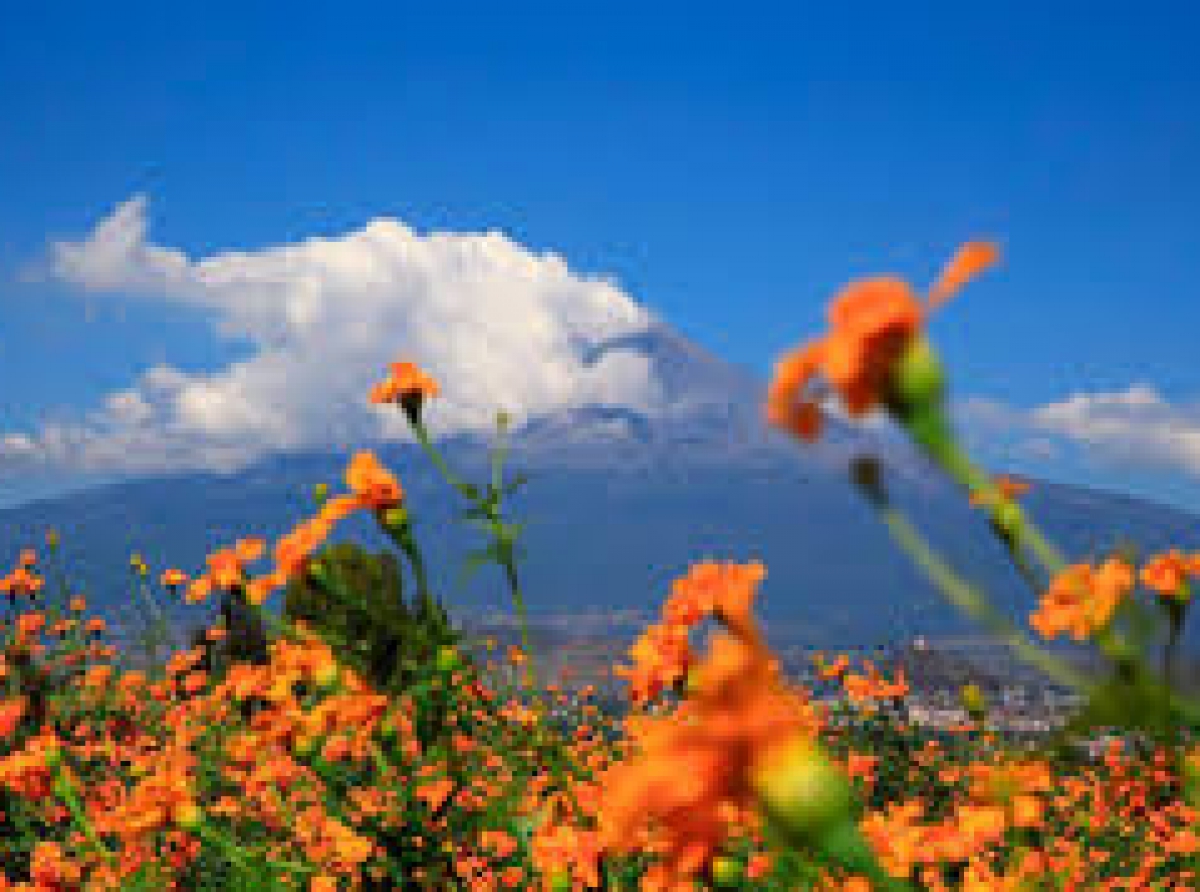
[(498, 325), (1136, 427)]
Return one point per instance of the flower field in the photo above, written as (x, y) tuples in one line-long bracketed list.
[(358, 741)]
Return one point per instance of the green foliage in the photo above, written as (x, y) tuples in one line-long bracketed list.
[(355, 600), (246, 640)]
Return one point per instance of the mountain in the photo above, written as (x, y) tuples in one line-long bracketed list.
[(619, 503)]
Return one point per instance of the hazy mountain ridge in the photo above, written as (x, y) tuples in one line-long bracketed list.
[(621, 501)]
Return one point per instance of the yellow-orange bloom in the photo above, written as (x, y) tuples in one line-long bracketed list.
[(1167, 574), (173, 577), (690, 777), (1009, 489), (871, 323), (371, 483), (405, 383), (1082, 599)]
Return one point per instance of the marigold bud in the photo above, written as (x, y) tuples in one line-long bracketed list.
[(53, 756), (448, 659), (918, 382), (801, 790), (1008, 519), (973, 701), (188, 816), (395, 517), (726, 871), (307, 744), (327, 675)]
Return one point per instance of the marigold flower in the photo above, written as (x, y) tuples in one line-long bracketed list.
[(12, 711), (1167, 574), (1082, 599), (408, 386), (371, 483), (1008, 488), (690, 767), (871, 324), (172, 578)]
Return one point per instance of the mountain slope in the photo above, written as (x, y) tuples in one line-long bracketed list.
[(621, 502)]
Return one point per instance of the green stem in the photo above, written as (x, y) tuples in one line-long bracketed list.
[(439, 462), (933, 434), (62, 786), (239, 856), (505, 546), (964, 596), (510, 573)]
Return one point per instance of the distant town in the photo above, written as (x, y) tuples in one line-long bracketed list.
[(1020, 703)]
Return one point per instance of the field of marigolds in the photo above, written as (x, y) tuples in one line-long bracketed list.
[(355, 739)]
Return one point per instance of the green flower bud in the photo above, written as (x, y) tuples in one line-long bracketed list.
[(560, 881), (801, 790), (395, 517), (973, 701), (318, 569), (918, 382), (327, 676), (1008, 519), (54, 757), (448, 659), (188, 816), (307, 744), (726, 871), (321, 493)]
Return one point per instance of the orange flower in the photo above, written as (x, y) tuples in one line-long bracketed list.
[(249, 550), (406, 385), (260, 588), (172, 578), (294, 549), (711, 588), (225, 568), (1081, 599), (372, 484), (11, 712), (1009, 489), (691, 772), (661, 656), (435, 793), (871, 323), (1167, 574)]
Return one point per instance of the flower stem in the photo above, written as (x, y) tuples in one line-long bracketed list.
[(964, 596)]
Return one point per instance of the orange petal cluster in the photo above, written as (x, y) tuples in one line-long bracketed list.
[(871, 322), (1082, 599), (404, 379), (686, 784)]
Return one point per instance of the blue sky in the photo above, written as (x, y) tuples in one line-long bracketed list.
[(728, 166)]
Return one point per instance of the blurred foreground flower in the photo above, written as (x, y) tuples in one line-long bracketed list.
[(872, 324)]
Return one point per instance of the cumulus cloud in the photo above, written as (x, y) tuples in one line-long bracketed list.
[(1136, 427), (503, 328)]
